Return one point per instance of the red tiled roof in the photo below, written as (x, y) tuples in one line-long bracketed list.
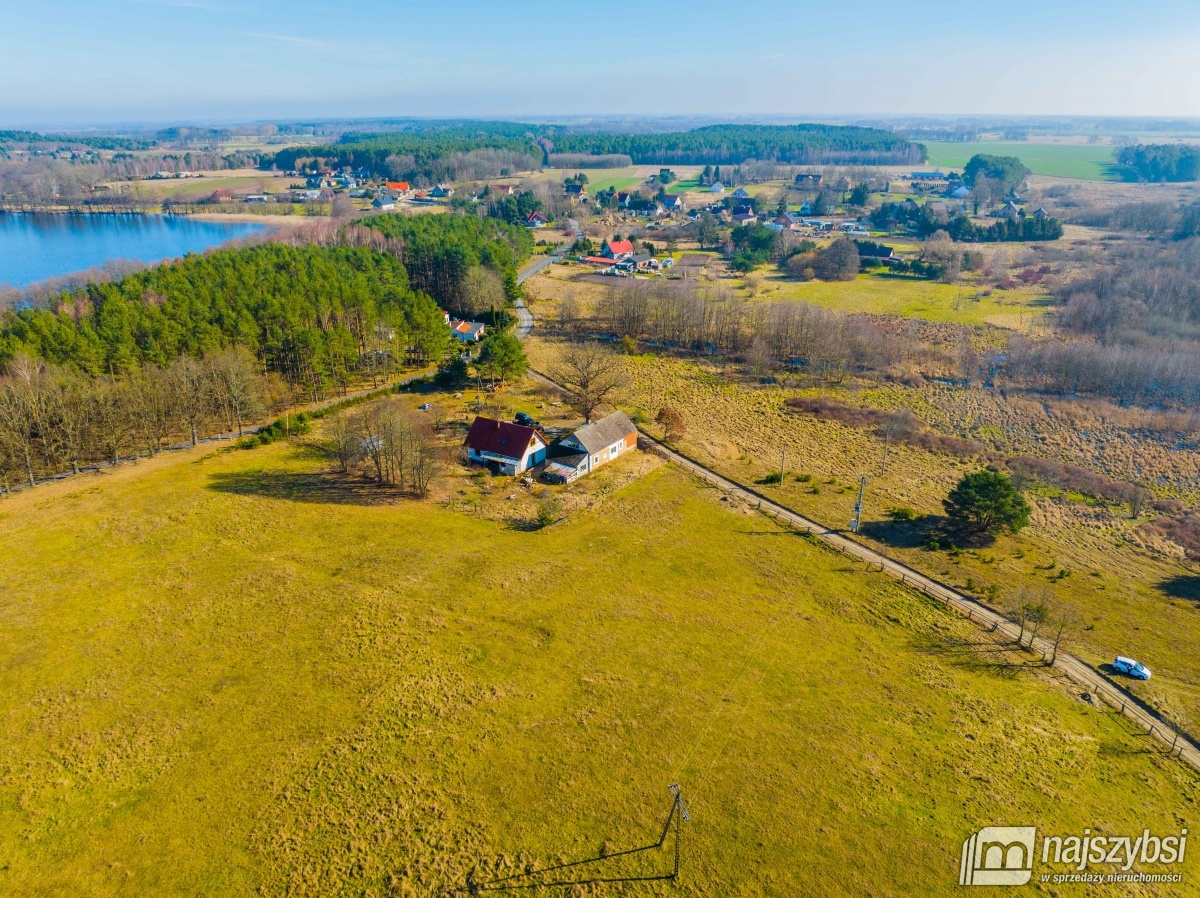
[(397, 185), (500, 437), (598, 260), (620, 246)]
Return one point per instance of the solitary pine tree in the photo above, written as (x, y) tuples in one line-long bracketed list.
[(986, 502)]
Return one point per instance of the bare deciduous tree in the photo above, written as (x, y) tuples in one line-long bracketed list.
[(593, 375), (193, 402), (342, 441), (236, 385), (114, 424)]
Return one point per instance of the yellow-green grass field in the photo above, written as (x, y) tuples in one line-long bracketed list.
[(1061, 160), (912, 297), (225, 673)]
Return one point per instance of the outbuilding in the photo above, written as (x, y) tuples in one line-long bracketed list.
[(600, 442)]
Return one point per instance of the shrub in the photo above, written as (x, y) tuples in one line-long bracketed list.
[(671, 421), (774, 477), (901, 514), (547, 513)]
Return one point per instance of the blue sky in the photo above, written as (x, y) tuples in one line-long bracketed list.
[(73, 62)]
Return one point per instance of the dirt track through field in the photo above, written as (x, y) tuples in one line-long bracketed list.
[(1098, 685)]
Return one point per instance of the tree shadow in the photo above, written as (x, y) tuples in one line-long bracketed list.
[(931, 531), (1185, 586), (998, 658), (321, 489)]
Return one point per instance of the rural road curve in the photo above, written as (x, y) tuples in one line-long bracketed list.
[(1078, 671)]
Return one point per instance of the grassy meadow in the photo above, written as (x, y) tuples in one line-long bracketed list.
[(912, 297), (231, 673), (1129, 592), (1093, 162)]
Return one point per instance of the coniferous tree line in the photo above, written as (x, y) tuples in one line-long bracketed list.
[(806, 144), (444, 255), (441, 153), (312, 314)]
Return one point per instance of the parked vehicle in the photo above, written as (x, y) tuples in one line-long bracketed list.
[(1131, 668), (524, 420)]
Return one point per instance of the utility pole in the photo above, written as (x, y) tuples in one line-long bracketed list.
[(887, 438), (782, 465), (854, 521)]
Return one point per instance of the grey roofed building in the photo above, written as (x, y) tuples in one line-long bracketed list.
[(603, 433)]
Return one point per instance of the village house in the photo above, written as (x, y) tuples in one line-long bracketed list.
[(500, 190), (671, 204), (1041, 214), (466, 331), (617, 249), (590, 447), (398, 188), (740, 194), (717, 187), (384, 203), (576, 191), (809, 180), (1009, 210), (536, 220), (504, 447), (743, 219), (442, 190)]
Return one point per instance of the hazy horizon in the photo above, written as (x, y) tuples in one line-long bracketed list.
[(168, 61)]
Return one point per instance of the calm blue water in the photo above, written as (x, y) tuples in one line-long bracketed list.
[(36, 247)]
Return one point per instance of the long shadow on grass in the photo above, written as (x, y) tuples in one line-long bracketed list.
[(927, 530), (324, 489), (996, 658), (1182, 587)]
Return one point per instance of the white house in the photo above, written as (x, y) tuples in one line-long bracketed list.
[(504, 447), (466, 331)]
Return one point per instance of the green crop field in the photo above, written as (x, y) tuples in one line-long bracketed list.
[(1082, 161), (227, 673), (616, 178)]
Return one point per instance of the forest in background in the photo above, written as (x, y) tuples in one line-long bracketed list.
[(467, 152)]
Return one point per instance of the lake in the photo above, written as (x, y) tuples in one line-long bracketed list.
[(34, 247)]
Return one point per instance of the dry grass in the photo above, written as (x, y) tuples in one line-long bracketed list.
[(1130, 586), (230, 692)]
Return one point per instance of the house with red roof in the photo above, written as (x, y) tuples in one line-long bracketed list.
[(399, 187), (505, 447), (617, 249)]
